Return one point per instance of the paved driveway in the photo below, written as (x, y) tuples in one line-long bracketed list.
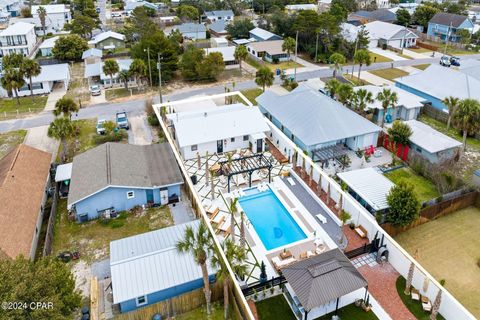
[(140, 132), (37, 137), (53, 97), (389, 54)]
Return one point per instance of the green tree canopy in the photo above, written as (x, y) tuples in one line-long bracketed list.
[(110, 67), (61, 129), (288, 45), (400, 132), (211, 66), (187, 12), (82, 25), (362, 98), (388, 99), (467, 118), (423, 14), (240, 28), (404, 204), (403, 17), (12, 60), (189, 61), (240, 54), (46, 280), (65, 106), (30, 69), (337, 59), (69, 47)]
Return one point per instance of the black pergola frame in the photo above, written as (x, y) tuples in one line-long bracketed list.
[(246, 164), (330, 152)]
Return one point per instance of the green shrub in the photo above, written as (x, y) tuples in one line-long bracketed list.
[(115, 136)]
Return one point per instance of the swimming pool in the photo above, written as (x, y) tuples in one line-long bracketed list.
[(271, 220)]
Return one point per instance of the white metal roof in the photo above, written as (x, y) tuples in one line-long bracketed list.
[(262, 33), (370, 185), (19, 28), (64, 172), (49, 43), (105, 35), (430, 139), (53, 72), (306, 6), (228, 53), (51, 8), (385, 30), (92, 52), (149, 262), (207, 125), (405, 98)]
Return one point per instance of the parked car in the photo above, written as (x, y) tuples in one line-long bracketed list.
[(116, 14), (122, 120), (95, 90), (455, 61), (445, 61), (101, 126)]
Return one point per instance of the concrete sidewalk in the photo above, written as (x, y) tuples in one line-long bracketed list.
[(37, 137), (53, 97), (373, 79), (416, 55)]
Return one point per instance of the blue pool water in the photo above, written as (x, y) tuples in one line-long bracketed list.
[(271, 220)]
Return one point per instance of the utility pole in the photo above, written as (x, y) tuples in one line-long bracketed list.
[(316, 48), (160, 77), (296, 51), (149, 66)]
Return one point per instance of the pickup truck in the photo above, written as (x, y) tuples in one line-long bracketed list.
[(122, 120)]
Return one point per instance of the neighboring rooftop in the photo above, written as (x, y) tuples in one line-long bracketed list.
[(49, 43), (430, 139), (323, 278), (313, 117), (406, 99), (53, 72), (262, 33), (92, 52), (305, 6), (195, 127), (218, 26), (379, 14), (372, 186), (219, 13), (150, 262), (446, 19), (270, 46), (23, 177), (18, 28), (52, 8), (228, 53), (122, 165), (106, 35), (385, 30), (191, 27)]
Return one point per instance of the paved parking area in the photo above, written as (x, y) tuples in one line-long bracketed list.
[(140, 132)]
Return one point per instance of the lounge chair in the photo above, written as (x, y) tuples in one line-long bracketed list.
[(212, 210), (426, 304), (278, 263), (218, 218), (240, 180), (223, 227), (415, 294), (256, 176)]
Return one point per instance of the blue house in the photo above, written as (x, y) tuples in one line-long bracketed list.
[(116, 177), (147, 268), (259, 34), (446, 25)]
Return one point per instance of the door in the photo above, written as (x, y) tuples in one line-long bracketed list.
[(259, 145), (164, 196), (219, 146), (149, 196)]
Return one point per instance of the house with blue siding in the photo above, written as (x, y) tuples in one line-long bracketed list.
[(116, 177), (436, 83), (147, 268), (313, 120), (446, 25)]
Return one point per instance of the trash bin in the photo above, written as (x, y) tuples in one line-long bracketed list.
[(278, 72), (194, 179), (157, 317)]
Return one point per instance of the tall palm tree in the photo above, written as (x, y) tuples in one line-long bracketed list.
[(362, 99), (138, 70), (345, 93), (124, 76), (199, 243), (61, 129), (65, 106), (387, 98), (236, 257), (42, 15), (30, 69), (362, 57), (332, 87), (289, 45), (264, 77), (337, 59), (233, 210), (452, 104), (14, 76), (110, 67), (242, 230), (240, 54), (7, 86), (467, 118)]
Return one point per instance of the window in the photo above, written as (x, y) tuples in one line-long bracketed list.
[(232, 139), (130, 195), (293, 137), (194, 147), (282, 128), (245, 138), (141, 301)]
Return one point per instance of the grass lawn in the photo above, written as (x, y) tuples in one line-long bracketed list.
[(201, 313), (380, 58), (116, 93), (422, 66), (449, 248), (275, 308), (10, 105), (351, 312), (92, 238), (420, 50), (390, 73), (423, 187), (252, 94), (253, 62), (10, 140), (355, 81), (415, 307), (283, 65)]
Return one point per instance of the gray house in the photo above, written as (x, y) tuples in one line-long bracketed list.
[(116, 177), (192, 31)]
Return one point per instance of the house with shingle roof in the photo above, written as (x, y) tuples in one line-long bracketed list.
[(116, 177), (24, 173), (445, 25)]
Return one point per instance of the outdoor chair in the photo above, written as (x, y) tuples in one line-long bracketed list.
[(361, 231), (426, 304), (415, 294)]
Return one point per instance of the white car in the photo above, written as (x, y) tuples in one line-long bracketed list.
[(116, 14), (95, 90), (101, 126)]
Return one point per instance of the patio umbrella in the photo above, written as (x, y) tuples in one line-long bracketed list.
[(426, 283), (436, 305), (408, 285)]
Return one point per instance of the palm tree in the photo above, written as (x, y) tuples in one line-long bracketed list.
[(362, 99), (233, 210), (236, 257), (437, 302), (362, 57), (242, 230), (138, 70), (408, 284), (7, 86), (240, 54), (452, 104), (42, 15), (264, 77), (30, 69), (65, 106), (289, 45), (199, 243), (124, 76), (332, 87), (337, 59), (344, 217), (14, 77), (61, 129), (110, 67), (467, 118), (388, 98), (345, 93)]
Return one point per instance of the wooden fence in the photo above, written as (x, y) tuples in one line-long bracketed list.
[(435, 113), (427, 46), (437, 210), (47, 248), (177, 305)]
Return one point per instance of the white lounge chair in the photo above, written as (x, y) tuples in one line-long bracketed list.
[(240, 180), (282, 263), (321, 218), (256, 176), (291, 181)]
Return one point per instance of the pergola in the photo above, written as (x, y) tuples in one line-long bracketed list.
[(246, 164), (330, 152)]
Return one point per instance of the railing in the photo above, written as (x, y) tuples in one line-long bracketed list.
[(366, 248), (259, 286)]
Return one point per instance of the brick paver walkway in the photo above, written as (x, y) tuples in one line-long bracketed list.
[(381, 285), (354, 240)]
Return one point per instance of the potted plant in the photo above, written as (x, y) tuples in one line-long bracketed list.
[(272, 290), (255, 296), (366, 306), (352, 225), (263, 273), (358, 302)]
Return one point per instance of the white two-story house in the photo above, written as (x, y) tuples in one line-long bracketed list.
[(57, 16), (19, 37)]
